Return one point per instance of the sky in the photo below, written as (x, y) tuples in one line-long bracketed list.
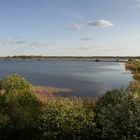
[(70, 27)]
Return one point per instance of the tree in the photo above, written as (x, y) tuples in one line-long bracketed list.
[(19, 109), (66, 119), (14, 83), (118, 115)]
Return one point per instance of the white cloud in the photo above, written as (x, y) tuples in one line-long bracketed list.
[(136, 3), (14, 41), (86, 38), (97, 23), (11, 41), (100, 23), (132, 3), (38, 44), (74, 27), (79, 48), (73, 15), (83, 48)]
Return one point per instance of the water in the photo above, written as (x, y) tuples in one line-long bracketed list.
[(90, 79)]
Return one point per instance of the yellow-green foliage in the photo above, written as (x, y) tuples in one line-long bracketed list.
[(134, 86), (134, 66), (66, 118), (137, 63), (19, 109), (14, 83)]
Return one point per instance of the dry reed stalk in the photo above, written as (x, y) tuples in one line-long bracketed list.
[(44, 93), (130, 66)]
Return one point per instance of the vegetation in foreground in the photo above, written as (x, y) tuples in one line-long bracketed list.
[(134, 66), (115, 115)]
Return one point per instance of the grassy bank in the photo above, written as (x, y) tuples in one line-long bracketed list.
[(23, 116), (134, 66)]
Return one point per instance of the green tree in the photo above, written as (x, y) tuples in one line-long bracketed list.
[(14, 83), (66, 119), (19, 109), (118, 115)]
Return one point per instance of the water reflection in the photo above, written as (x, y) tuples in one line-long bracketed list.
[(85, 78)]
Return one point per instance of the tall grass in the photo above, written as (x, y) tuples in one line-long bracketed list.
[(44, 93), (134, 66), (131, 66)]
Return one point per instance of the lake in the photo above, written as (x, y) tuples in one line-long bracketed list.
[(90, 79)]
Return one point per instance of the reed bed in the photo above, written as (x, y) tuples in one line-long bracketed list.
[(44, 93), (131, 66), (137, 77), (134, 66)]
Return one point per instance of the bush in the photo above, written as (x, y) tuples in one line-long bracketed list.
[(14, 83), (118, 115), (66, 119), (110, 98), (19, 109), (134, 86)]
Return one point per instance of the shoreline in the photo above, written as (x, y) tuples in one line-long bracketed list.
[(67, 59), (134, 67)]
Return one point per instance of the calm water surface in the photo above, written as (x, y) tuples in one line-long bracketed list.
[(85, 78)]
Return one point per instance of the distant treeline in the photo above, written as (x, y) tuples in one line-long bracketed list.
[(69, 57)]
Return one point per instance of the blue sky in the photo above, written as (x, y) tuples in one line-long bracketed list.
[(70, 27)]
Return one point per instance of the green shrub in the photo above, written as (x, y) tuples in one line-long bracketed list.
[(19, 110), (64, 118), (110, 98), (118, 115), (134, 86), (19, 115), (14, 83), (137, 63)]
